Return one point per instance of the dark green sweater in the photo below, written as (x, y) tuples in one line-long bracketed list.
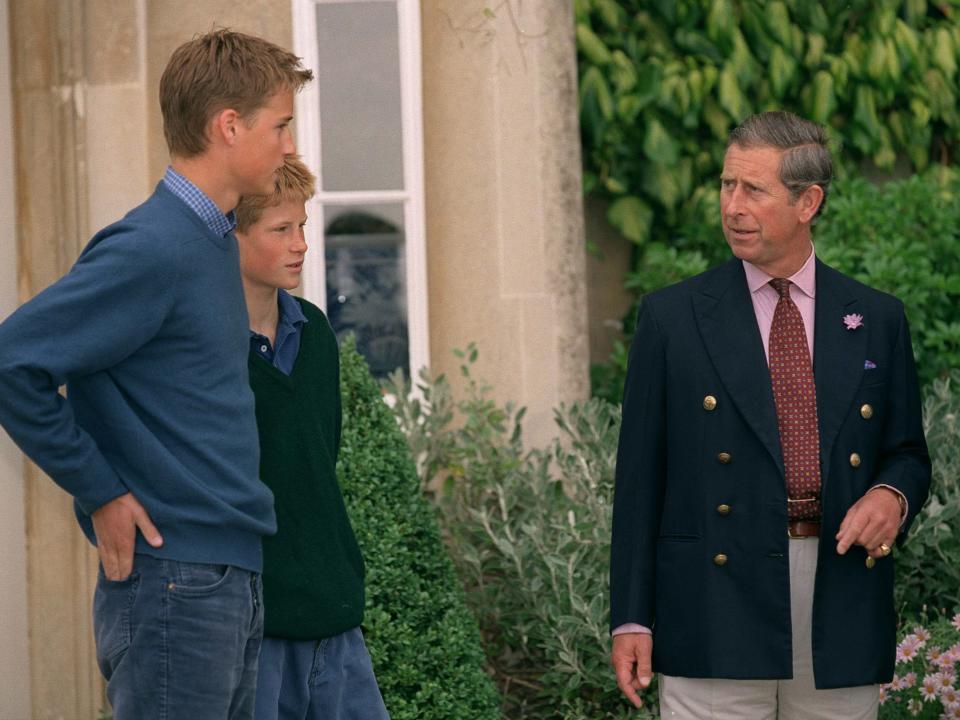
[(312, 567)]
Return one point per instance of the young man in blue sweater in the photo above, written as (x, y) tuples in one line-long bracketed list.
[(313, 662), (156, 439)]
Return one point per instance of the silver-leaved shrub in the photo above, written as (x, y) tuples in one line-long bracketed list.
[(529, 531)]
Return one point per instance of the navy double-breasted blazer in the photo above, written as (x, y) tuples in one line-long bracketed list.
[(678, 461)]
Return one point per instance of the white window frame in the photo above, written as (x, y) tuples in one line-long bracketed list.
[(314, 286)]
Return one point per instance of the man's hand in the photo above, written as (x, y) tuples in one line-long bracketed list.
[(115, 525), (631, 663), (873, 520)]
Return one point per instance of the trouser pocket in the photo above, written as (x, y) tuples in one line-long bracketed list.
[(112, 607)]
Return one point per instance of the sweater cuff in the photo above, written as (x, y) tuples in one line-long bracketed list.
[(94, 486)]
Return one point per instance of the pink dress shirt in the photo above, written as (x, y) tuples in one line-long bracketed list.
[(803, 292)]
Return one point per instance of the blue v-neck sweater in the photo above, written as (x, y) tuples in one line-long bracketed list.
[(148, 331)]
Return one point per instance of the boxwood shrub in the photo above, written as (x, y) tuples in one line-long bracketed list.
[(424, 641)]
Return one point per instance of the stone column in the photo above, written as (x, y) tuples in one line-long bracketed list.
[(506, 252), (14, 652), (80, 141), (47, 47)]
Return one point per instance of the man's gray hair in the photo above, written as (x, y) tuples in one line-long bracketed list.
[(806, 159)]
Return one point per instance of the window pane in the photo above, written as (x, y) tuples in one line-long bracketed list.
[(366, 282), (359, 78)]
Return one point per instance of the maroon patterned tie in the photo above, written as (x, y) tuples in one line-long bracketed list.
[(795, 398)]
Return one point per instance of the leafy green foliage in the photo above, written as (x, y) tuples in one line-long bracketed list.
[(530, 534), (928, 576), (423, 640), (904, 237), (662, 83)]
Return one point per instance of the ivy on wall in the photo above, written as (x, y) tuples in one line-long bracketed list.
[(662, 82)]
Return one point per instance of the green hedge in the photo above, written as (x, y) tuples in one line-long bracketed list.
[(662, 82), (422, 637), (904, 237)]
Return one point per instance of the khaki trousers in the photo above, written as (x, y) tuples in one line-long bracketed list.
[(796, 699)]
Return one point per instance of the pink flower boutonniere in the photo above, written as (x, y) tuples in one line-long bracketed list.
[(853, 321)]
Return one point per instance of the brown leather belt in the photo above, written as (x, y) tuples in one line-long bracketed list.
[(803, 528)]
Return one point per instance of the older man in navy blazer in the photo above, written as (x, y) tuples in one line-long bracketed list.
[(771, 455)]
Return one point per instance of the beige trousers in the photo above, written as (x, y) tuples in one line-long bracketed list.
[(796, 699)]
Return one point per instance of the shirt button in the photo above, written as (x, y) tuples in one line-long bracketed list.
[(263, 348)]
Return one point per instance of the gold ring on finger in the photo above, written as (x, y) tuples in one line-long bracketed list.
[(885, 549)]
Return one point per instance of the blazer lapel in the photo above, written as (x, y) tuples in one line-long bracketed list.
[(838, 356), (728, 326)]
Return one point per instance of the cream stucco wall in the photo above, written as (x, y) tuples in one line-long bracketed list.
[(14, 657), (506, 258)]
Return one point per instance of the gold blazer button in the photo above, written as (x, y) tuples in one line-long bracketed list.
[(724, 457), (870, 562), (719, 559), (866, 411), (723, 509), (855, 459), (709, 402)]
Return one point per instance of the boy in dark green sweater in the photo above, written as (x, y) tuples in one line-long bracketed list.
[(313, 661)]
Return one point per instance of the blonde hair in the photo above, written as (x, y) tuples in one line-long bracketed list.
[(219, 70), (294, 182)]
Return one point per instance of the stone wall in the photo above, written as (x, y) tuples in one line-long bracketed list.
[(14, 670), (506, 258), (47, 46)]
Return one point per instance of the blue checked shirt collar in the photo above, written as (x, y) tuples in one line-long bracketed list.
[(222, 225)]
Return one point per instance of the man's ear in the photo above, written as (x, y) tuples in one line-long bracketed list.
[(809, 202), (223, 126)]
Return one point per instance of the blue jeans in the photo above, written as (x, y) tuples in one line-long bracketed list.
[(330, 679), (179, 640)]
